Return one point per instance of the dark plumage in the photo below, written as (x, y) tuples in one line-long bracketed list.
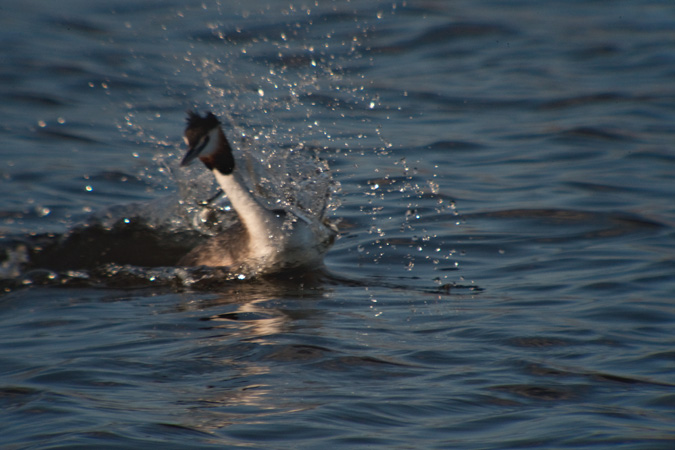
[(198, 126)]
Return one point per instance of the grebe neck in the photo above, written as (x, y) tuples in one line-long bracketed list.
[(261, 223)]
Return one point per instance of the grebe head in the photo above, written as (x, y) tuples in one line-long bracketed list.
[(205, 140)]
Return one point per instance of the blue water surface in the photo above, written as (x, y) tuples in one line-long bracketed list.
[(502, 175)]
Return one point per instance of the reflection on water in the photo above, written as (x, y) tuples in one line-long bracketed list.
[(246, 322)]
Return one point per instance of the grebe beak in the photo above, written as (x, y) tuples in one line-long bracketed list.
[(194, 151), (190, 156)]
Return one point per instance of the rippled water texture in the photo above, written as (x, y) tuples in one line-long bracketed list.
[(501, 174)]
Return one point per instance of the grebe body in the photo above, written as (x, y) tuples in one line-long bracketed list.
[(263, 240)]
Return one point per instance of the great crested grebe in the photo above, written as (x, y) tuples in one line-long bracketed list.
[(264, 240)]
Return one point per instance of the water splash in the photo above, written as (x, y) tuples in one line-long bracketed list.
[(286, 103)]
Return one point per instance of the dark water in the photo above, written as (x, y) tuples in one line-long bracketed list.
[(503, 180)]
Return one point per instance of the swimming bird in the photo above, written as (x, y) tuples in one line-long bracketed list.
[(263, 240)]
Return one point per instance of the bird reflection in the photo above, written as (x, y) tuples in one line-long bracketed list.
[(244, 329)]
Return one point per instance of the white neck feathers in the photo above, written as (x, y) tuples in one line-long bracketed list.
[(262, 224)]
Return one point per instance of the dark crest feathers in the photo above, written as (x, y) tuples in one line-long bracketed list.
[(209, 121), (198, 126)]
